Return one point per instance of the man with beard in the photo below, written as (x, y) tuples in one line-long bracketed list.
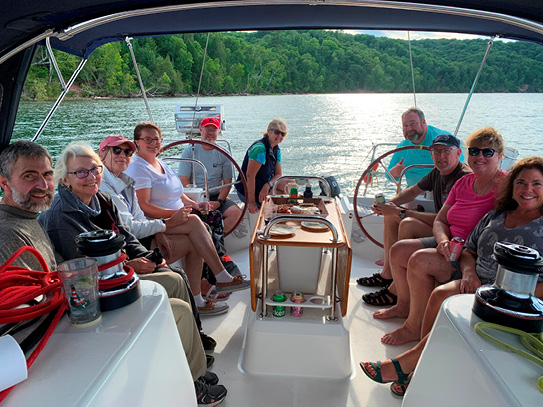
[(26, 177), (417, 133)]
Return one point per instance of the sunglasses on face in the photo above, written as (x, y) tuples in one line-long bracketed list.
[(487, 152), (279, 132), (119, 150), (81, 174)]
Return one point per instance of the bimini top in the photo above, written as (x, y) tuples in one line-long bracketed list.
[(80, 26)]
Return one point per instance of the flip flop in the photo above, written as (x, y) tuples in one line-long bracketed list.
[(374, 281), (380, 298)]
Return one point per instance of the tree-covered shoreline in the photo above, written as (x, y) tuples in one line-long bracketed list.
[(291, 62)]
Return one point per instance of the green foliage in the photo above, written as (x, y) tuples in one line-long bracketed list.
[(270, 62)]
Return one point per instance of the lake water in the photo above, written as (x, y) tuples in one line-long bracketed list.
[(328, 134)]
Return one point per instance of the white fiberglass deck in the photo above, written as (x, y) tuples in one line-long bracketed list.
[(496, 378), (266, 390)]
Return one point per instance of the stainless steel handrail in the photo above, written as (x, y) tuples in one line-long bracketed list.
[(335, 239), (194, 162), (300, 218)]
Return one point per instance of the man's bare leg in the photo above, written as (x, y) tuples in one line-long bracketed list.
[(399, 258), (425, 268)]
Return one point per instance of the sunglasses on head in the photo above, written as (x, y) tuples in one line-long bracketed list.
[(279, 132), (118, 150), (487, 152)]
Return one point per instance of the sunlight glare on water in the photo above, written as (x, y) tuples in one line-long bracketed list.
[(328, 134)]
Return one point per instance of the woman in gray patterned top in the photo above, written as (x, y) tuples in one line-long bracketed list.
[(517, 219)]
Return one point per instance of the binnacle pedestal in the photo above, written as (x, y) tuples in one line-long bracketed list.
[(311, 254)]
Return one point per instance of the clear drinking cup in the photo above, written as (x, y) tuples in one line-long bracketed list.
[(80, 283)]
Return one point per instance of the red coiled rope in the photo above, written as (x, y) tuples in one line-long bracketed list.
[(18, 286)]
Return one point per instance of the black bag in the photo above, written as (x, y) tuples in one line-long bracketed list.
[(214, 224)]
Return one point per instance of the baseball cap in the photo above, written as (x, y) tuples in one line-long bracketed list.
[(211, 121), (446, 140), (116, 140)]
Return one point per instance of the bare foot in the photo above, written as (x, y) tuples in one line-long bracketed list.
[(400, 336), (380, 262), (396, 311)]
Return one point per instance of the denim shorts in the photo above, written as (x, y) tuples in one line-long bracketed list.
[(431, 243)]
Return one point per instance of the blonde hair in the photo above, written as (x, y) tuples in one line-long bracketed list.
[(486, 135), (73, 150), (274, 123)]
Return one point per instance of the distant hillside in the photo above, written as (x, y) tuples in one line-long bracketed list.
[(271, 62)]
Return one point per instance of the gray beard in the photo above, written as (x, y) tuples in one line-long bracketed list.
[(25, 201), (415, 137)]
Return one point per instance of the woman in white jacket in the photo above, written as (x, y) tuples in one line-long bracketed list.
[(196, 247)]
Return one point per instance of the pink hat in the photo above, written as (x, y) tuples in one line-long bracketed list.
[(211, 121), (116, 140)]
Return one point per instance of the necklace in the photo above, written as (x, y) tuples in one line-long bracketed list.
[(488, 186)]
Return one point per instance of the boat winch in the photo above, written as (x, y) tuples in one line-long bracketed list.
[(119, 285), (510, 301)]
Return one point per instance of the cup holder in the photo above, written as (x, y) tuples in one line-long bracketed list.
[(317, 300)]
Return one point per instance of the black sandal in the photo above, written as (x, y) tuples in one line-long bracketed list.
[(380, 298), (374, 281)]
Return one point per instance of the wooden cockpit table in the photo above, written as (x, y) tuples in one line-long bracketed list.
[(293, 250)]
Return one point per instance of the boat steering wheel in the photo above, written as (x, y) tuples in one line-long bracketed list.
[(365, 179), (225, 153)]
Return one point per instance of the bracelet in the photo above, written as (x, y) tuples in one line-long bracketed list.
[(252, 202), (221, 201)]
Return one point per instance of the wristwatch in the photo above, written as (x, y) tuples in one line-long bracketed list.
[(221, 201), (401, 214), (270, 183)]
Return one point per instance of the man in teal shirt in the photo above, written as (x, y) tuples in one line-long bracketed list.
[(417, 133)]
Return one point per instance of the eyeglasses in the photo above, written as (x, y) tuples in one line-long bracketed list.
[(81, 174), (442, 151), (487, 152), (279, 132), (119, 150), (148, 140), (211, 129)]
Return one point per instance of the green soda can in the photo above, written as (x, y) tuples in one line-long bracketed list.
[(279, 310), (380, 198)]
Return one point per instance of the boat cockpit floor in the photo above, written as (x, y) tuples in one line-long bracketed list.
[(262, 391)]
